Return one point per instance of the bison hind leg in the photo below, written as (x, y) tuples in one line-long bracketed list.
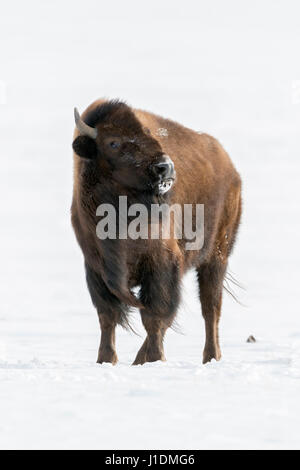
[(210, 278)]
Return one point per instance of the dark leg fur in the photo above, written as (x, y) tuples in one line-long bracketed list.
[(160, 296), (210, 279), (110, 311), (107, 349)]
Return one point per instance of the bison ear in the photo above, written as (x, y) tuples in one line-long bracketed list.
[(85, 147)]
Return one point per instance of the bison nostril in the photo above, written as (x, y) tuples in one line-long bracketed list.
[(162, 169)]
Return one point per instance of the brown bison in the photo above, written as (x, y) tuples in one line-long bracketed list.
[(121, 151)]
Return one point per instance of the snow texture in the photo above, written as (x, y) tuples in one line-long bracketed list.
[(226, 68)]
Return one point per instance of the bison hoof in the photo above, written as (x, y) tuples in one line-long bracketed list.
[(107, 355), (211, 353), (148, 357), (156, 357)]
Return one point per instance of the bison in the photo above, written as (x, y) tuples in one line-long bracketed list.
[(122, 151)]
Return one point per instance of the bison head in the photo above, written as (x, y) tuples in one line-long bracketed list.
[(113, 139)]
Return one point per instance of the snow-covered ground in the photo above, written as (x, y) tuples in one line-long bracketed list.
[(226, 68)]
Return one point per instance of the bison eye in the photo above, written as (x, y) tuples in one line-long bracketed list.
[(114, 145)]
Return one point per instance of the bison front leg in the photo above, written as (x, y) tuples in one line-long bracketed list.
[(160, 295), (110, 312), (107, 348), (152, 349), (210, 279)]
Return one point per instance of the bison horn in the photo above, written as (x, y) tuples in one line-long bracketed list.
[(83, 128)]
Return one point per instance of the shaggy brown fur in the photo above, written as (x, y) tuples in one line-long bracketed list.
[(204, 175)]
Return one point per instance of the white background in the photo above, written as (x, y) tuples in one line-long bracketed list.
[(226, 68)]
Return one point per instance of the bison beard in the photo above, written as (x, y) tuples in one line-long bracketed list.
[(118, 151)]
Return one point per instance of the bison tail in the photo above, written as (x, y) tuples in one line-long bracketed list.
[(229, 282)]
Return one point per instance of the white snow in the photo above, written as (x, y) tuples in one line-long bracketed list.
[(162, 131), (226, 68)]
